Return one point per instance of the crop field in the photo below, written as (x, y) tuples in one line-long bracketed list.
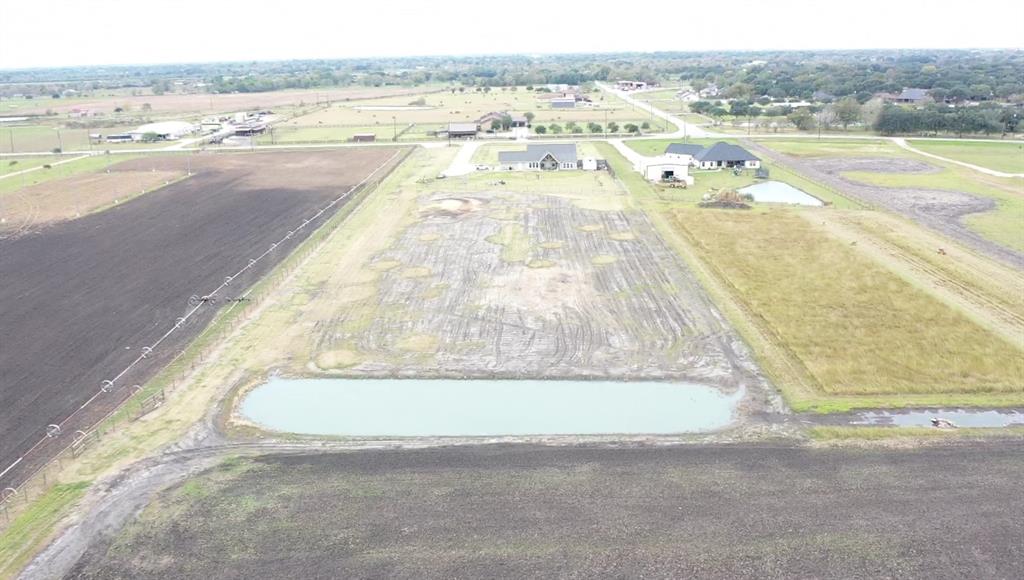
[(513, 512), (447, 107), (553, 279), (82, 192), (851, 326), (982, 211), (1006, 157), (91, 292), (202, 103)]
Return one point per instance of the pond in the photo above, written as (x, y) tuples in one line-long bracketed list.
[(959, 417), (779, 192), (414, 408)]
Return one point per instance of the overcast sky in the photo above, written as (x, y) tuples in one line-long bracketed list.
[(90, 32)]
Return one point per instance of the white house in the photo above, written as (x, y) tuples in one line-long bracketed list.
[(540, 157), (719, 155)]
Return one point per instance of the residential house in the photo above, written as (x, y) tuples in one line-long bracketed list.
[(540, 157), (719, 155), (910, 97)]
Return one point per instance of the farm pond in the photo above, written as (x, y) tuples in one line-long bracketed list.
[(779, 192), (466, 408)]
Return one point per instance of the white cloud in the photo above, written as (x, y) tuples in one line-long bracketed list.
[(70, 32)]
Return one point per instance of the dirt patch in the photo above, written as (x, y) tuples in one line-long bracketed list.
[(524, 298), (837, 165), (91, 292), (336, 359), (32, 207), (940, 210)]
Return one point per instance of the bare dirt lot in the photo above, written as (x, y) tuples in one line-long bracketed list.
[(940, 210), (81, 298), (750, 511), (510, 284), (28, 209)]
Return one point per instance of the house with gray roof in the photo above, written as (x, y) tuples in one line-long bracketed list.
[(719, 155), (911, 96), (540, 157), (461, 130)]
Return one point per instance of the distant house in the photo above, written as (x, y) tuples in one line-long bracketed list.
[(630, 85), (163, 131), (719, 155), (520, 121), (364, 137), (910, 97), (488, 120), (563, 103), (540, 157), (461, 130)]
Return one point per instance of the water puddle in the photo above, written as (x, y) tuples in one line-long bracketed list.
[(414, 408), (779, 192), (958, 417)]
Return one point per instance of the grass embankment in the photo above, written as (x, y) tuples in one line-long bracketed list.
[(20, 540), (1001, 225), (857, 331), (999, 156), (847, 433)]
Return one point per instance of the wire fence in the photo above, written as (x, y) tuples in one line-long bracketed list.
[(138, 400)]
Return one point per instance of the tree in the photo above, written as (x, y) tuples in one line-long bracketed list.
[(631, 128), (540, 129), (506, 122), (147, 107), (847, 111), (801, 119), (613, 127), (150, 137), (825, 118), (529, 117), (594, 127), (645, 125), (496, 125)]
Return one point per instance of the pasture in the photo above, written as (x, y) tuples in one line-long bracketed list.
[(850, 326), (1005, 157)]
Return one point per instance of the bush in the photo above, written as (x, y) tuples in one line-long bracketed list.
[(540, 129)]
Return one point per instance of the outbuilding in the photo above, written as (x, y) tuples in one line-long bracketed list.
[(461, 130), (164, 131), (665, 168)]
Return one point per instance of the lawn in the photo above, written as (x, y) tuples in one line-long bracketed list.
[(850, 326), (82, 165), (37, 138), (1006, 157)]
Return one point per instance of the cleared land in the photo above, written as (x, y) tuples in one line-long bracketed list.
[(848, 325), (515, 512), (981, 211), (545, 276), (1007, 157), (57, 199), (91, 292)]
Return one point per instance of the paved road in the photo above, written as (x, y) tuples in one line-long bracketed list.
[(684, 129)]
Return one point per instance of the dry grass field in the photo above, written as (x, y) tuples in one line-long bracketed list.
[(853, 326)]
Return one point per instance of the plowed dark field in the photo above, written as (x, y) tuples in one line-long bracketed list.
[(575, 512), (79, 299)]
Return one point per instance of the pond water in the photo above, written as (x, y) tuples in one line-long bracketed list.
[(779, 192), (412, 408), (959, 417)]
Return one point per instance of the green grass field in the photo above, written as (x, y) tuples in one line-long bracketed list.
[(1006, 157), (83, 165), (857, 328)]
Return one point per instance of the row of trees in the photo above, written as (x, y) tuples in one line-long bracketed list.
[(596, 128), (988, 120)]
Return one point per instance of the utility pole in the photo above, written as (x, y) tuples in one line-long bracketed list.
[(60, 140), (394, 128)]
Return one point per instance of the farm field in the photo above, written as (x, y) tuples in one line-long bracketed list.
[(445, 107), (204, 103), (82, 192), (61, 168), (134, 268), (982, 211), (855, 332), (1006, 157), (739, 511)]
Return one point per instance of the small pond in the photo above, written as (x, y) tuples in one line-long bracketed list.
[(959, 417), (779, 192), (413, 407)]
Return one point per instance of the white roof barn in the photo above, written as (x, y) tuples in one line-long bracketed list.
[(165, 130)]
